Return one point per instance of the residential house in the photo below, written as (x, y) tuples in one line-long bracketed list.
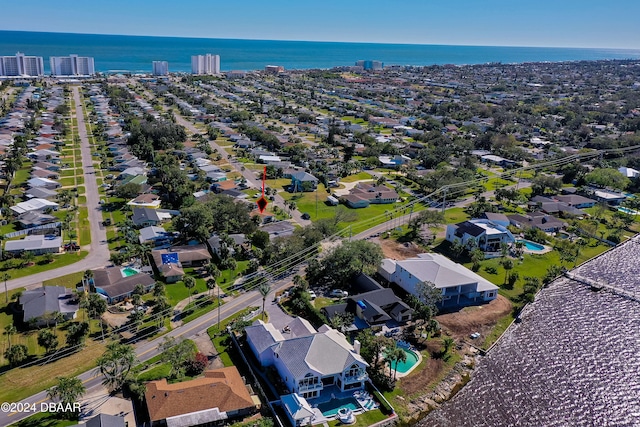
[(605, 196), (364, 194), (217, 244), (629, 172), (481, 233), (540, 220), (393, 161), (104, 420), (576, 201), (307, 360), (145, 201), (34, 205), (142, 217), (155, 235), (222, 186), (278, 229), (187, 256), (302, 181), (298, 410), (497, 160), (551, 206), (117, 283), (36, 244), (44, 173), (460, 286), (374, 307), (43, 183), (37, 303), (35, 219), (219, 396), (40, 193)]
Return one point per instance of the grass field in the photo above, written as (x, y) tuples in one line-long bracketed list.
[(40, 266)]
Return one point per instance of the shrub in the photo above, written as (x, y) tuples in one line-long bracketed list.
[(197, 365)]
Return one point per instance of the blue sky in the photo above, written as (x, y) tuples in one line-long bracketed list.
[(560, 23)]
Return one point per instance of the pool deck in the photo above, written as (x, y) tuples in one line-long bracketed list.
[(319, 418)]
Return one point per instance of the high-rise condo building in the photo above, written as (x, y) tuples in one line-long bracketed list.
[(205, 64), (160, 68), (72, 65), (370, 65), (21, 66)]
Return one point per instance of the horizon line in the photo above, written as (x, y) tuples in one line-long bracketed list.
[(327, 41)]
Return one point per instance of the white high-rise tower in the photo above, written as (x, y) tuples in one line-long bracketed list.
[(205, 64)]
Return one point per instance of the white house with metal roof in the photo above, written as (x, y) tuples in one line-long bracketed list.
[(459, 285), (36, 244), (308, 360)]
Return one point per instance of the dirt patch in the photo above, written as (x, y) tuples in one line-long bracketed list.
[(115, 320), (481, 318), (205, 346), (416, 382), (398, 251)]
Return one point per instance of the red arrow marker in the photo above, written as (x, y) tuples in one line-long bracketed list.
[(262, 202)]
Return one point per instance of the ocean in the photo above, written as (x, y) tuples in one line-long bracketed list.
[(114, 53)]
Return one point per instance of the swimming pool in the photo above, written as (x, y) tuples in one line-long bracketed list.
[(628, 211), (534, 247), (330, 408), (128, 271), (412, 360)]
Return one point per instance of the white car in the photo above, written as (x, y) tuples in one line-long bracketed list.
[(339, 293), (312, 295)]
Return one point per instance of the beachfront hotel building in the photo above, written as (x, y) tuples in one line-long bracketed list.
[(205, 64), (72, 65), (21, 66), (370, 65), (160, 68)]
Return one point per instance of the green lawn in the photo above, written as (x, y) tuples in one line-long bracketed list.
[(222, 342), (46, 419), (363, 420), (357, 177), (69, 281), (59, 261), (68, 182), (67, 173)]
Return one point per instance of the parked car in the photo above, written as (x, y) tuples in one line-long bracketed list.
[(306, 216), (339, 293), (312, 295)]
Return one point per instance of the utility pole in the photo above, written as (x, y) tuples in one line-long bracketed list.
[(218, 286), (444, 199)]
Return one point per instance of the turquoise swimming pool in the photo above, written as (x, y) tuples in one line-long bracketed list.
[(532, 246), (412, 360), (330, 408), (128, 271)]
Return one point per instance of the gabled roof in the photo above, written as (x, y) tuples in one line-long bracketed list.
[(442, 272), (111, 281), (222, 388), (296, 406), (47, 299), (327, 352)]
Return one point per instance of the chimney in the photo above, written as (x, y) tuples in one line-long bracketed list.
[(356, 346)]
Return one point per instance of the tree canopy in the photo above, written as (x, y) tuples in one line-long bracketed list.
[(343, 263)]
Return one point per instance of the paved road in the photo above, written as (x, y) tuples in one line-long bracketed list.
[(98, 250), (146, 350)]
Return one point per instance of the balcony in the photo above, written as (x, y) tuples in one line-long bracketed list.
[(302, 388), (360, 376)]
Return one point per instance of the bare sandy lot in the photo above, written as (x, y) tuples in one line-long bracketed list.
[(481, 318)]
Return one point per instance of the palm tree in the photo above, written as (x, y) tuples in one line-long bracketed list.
[(447, 342), (9, 330), (189, 283), (116, 364), (507, 264), (400, 357), (67, 391), (390, 355), (264, 290), (211, 285)]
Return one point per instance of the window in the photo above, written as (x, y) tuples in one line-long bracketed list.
[(353, 371)]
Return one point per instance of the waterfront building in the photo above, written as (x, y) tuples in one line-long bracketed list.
[(21, 66), (72, 65), (370, 65), (160, 68), (274, 69), (205, 64), (459, 285)]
